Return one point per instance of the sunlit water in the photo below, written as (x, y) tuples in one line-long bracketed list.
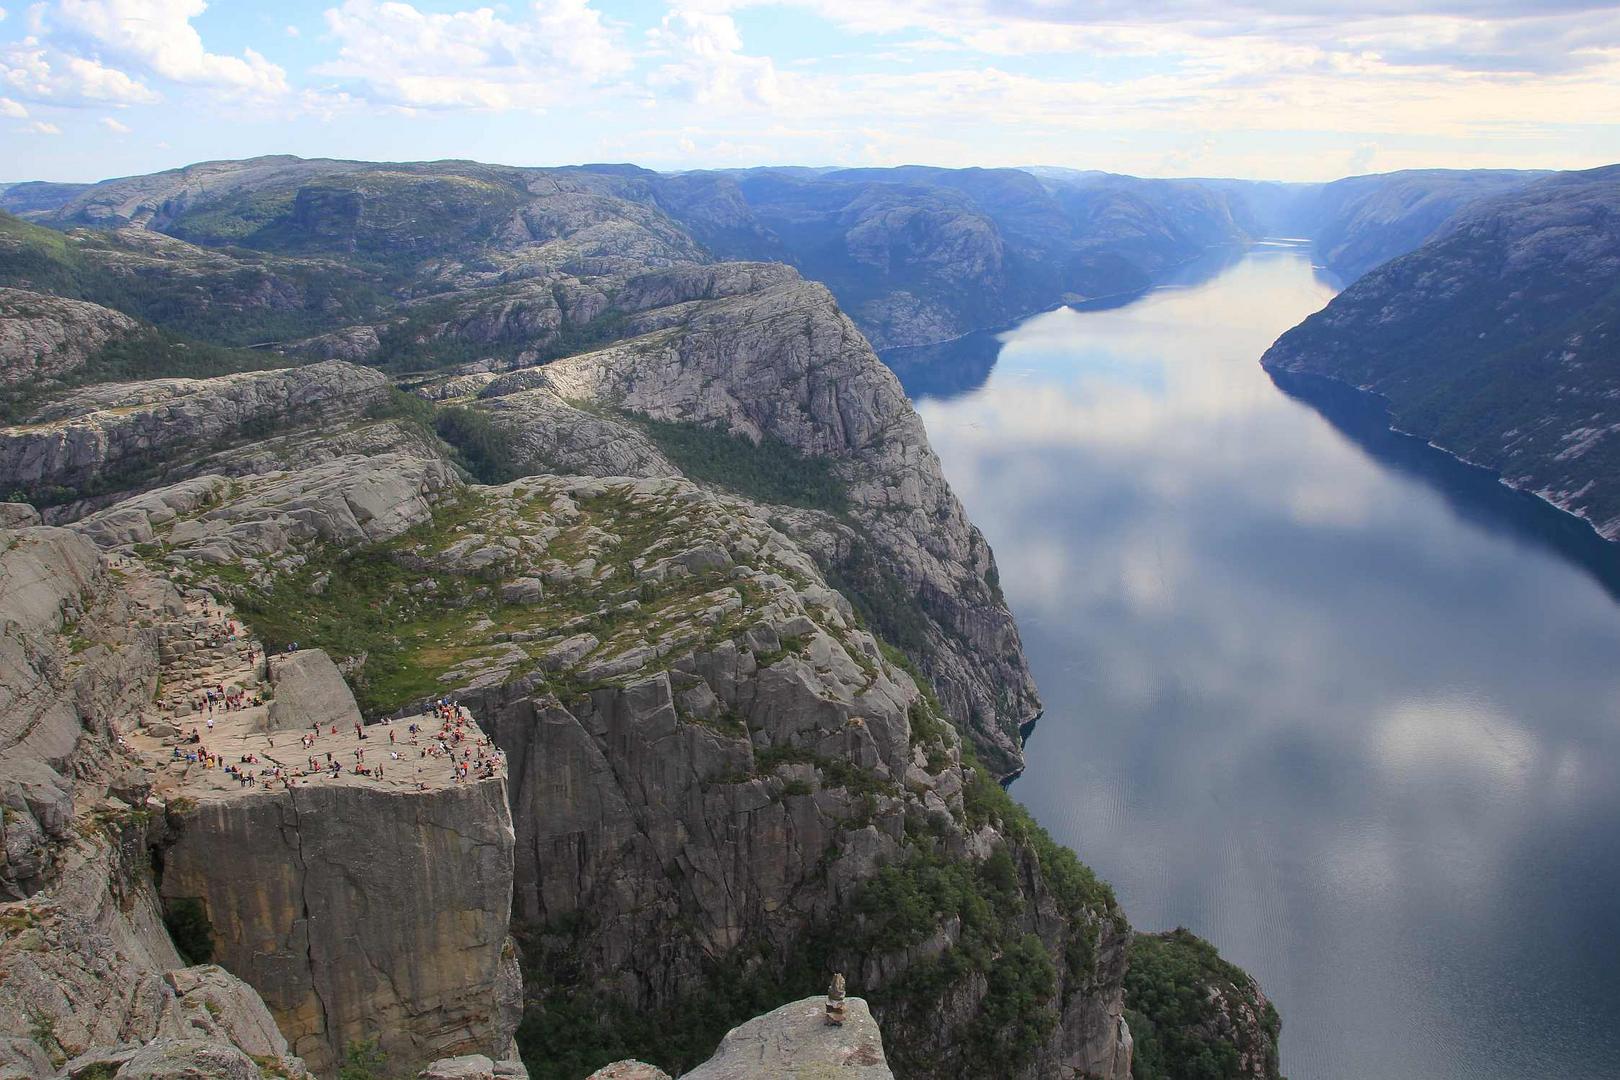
[(1337, 705)]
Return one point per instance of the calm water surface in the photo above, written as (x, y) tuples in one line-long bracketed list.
[(1318, 693)]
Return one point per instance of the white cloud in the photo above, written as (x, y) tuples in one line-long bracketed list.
[(157, 36), (707, 63), (33, 71), (1462, 35), (40, 127), (114, 126), (397, 54), (293, 31), (12, 110)]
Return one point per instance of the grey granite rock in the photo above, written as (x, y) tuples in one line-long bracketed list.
[(465, 1067), (309, 690), (784, 362), (45, 338), (795, 1042), (16, 515), (117, 436), (188, 1059), (357, 912)]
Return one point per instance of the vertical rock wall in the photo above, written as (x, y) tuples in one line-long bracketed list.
[(360, 914)]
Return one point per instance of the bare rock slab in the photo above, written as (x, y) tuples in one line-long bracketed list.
[(310, 690), (796, 1042)]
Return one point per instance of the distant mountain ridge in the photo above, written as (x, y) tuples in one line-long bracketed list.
[(915, 254), (1498, 340)]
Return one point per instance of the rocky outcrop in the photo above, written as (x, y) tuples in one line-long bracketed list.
[(56, 705), (353, 500), (706, 750), (795, 1042), (309, 691), (46, 338), (785, 363), (551, 435), (1496, 341), (473, 1067), (121, 436)]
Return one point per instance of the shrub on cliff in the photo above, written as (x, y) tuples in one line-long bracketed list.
[(1196, 1016)]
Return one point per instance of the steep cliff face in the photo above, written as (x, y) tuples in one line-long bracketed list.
[(87, 970), (723, 781), (120, 437), (349, 909), (706, 750), (784, 363), (356, 912), (1497, 340)]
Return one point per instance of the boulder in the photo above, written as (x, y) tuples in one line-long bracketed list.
[(796, 1042), (523, 590), (188, 1059), (309, 690), (17, 515), (466, 1067), (629, 1069)]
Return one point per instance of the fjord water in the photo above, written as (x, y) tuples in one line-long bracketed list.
[(1336, 705)]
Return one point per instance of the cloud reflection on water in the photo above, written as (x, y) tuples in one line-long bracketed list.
[(1360, 729)]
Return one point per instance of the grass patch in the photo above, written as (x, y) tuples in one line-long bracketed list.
[(772, 471)]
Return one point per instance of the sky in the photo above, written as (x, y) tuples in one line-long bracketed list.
[(1250, 88)]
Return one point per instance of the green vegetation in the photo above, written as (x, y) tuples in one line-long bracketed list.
[(1179, 1029), (187, 922), (483, 449), (566, 1034), (149, 354), (885, 605), (230, 297), (363, 1060), (365, 606), (404, 623), (771, 472)]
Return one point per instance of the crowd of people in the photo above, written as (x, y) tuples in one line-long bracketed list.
[(454, 738), (470, 758)]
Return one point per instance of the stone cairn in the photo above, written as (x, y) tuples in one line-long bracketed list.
[(835, 1000)]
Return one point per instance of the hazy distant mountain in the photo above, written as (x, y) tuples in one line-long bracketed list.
[(1363, 221), (915, 254), (1498, 339), (920, 254)]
